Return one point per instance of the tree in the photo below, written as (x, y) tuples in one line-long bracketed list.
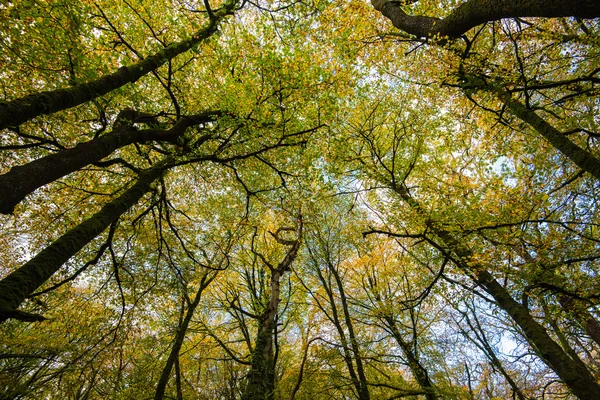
[(261, 378), (18, 111), (472, 13), (445, 167)]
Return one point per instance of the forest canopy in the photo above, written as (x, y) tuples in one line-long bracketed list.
[(312, 199)]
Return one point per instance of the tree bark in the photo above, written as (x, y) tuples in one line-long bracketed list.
[(261, 379), (350, 348), (363, 385), (179, 338), (476, 12), (18, 111), (484, 345), (581, 315), (416, 368), (582, 158), (23, 180), (572, 371), (15, 287)]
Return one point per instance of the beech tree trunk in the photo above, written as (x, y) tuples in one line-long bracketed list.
[(572, 371), (582, 316), (23, 180), (362, 384), (349, 344), (15, 112), (15, 287), (582, 158), (476, 12), (261, 379), (179, 338), (416, 368), (484, 345)]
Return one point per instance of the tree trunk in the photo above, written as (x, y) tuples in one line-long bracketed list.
[(261, 379), (15, 112), (572, 372), (349, 345), (416, 368), (363, 388), (476, 12), (582, 158), (179, 338), (15, 287), (582, 316), (484, 345), (23, 180)]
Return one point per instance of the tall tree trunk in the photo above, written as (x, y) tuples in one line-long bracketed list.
[(573, 372), (582, 158), (301, 369), (15, 287), (349, 345), (261, 379), (179, 338), (15, 112), (484, 345), (416, 368), (22, 180), (570, 304), (579, 156), (335, 319), (363, 387)]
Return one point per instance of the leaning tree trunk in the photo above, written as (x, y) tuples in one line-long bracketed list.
[(179, 337), (581, 315), (581, 157), (19, 284), (484, 345), (416, 368), (15, 112), (23, 180), (572, 371)]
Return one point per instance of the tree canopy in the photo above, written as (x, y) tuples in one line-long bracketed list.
[(312, 199)]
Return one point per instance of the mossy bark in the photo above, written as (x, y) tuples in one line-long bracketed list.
[(476, 12), (14, 113), (261, 378), (19, 284), (23, 180)]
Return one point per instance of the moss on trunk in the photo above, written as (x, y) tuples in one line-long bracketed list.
[(15, 287), (14, 113)]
